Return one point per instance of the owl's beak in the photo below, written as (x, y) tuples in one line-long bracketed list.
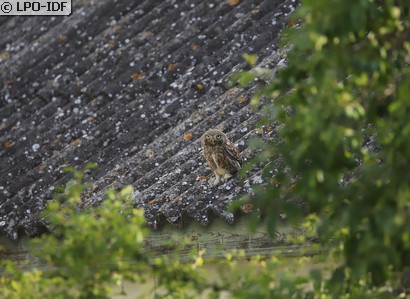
[(213, 141)]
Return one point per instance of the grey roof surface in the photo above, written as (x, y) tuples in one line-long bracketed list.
[(121, 83)]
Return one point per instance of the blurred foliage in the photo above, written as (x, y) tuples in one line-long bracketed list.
[(343, 141), (92, 250)]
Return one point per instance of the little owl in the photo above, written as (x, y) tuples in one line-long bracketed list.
[(221, 154)]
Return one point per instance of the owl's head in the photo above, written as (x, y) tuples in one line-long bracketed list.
[(213, 138)]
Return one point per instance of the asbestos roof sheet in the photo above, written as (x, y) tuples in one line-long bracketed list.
[(130, 85)]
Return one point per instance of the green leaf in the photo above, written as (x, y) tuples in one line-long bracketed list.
[(90, 165), (250, 58), (243, 77), (69, 169)]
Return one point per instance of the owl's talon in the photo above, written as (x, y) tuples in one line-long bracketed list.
[(226, 177), (217, 180)]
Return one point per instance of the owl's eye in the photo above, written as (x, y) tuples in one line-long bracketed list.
[(207, 137), (218, 136)]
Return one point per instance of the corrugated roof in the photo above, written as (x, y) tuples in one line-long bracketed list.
[(121, 83)]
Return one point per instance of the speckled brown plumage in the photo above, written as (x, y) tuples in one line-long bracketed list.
[(221, 154)]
